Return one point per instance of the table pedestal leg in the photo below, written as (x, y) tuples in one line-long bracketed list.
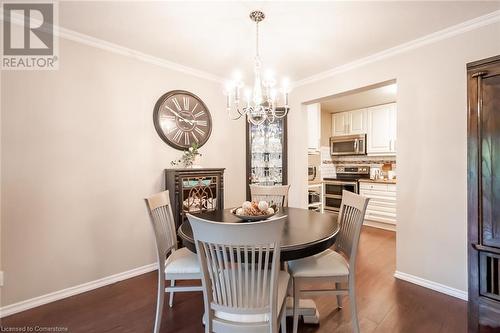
[(307, 309)]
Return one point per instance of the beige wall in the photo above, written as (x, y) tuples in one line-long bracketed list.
[(79, 154), (432, 147)]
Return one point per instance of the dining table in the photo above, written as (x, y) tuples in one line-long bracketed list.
[(306, 233)]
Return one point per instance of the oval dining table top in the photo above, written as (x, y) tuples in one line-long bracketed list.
[(306, 232)]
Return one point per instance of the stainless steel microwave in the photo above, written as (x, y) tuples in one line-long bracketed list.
[(348, 145)]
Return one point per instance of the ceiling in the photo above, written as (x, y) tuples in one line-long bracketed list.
[(361, 99), (298, 39)]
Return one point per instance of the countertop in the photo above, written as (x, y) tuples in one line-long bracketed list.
[(380, 181)]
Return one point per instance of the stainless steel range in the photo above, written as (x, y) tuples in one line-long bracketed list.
[(346, 179)]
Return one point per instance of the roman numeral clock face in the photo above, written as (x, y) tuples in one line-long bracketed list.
[(181, 119)]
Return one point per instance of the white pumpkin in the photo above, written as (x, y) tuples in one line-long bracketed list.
[(246, 205), (270, 211), (263, 206), (240, 211)]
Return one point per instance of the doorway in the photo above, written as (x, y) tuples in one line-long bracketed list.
[(352, 144)]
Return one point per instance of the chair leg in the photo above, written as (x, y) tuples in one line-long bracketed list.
[(352, 299), (171, 296), (274, 326), (296, 299), (159, 302), (283, 320), (339, 297), (208, 322)]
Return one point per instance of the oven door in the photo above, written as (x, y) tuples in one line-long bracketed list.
[(348, 145), (333, 193)]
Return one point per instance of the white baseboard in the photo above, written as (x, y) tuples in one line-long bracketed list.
[(71, 291), (380, 225), (432, 285)]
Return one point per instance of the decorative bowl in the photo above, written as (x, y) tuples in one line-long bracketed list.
[(253, 218)]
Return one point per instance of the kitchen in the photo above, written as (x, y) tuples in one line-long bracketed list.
[(352, 146)]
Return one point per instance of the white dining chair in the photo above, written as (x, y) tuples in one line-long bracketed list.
[(244, 288), (333, 266), (277, 194), (181, 264)]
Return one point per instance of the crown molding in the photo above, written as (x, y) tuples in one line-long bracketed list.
[(118, 49), (84, 39), (449, 32)]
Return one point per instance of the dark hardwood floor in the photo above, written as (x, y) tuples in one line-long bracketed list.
[(384, 303)]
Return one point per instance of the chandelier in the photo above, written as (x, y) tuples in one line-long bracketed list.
[(260, 102)]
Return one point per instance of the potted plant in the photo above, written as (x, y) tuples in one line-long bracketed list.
[(188, 158)]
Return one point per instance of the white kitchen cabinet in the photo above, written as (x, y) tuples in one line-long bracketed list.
[(340, 124), (349, 123), (381, 208), (314, 126), (357, 122), (381, 130)]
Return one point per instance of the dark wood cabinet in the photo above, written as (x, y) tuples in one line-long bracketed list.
[(194, 191), (483, 181)]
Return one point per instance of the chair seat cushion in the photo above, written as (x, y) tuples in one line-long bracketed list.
[(182, 261), (283, 278), (324, 264)]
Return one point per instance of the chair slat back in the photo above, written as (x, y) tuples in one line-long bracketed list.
[(162, 220), (277, 194), (351, 217), (240, 264)]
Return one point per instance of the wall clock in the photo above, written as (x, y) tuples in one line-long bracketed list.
[(181, 119)]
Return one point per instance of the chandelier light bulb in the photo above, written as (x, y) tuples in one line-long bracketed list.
[(228, 88), (273, 94), (237, 76), (269, 74), (285, 83)]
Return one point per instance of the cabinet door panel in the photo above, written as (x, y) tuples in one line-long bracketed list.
[(340, 124), (379, 132), (490, 164), (357, 122)]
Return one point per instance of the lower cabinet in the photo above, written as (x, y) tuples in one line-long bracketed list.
[(382, 205)]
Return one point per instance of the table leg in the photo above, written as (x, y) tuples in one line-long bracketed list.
[(307, 309)]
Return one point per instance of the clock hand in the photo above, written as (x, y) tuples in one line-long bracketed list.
[(182, 118)]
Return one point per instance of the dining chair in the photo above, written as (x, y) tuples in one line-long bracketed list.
[(181, 264), (277, 194), (244, 288), (333, 266)]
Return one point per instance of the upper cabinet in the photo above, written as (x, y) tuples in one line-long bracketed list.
[(314, 126), (357, 121), (340, 124), (381, 130), (348, 123), (378, 122)]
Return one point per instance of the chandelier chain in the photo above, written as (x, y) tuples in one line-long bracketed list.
[(257, 40)]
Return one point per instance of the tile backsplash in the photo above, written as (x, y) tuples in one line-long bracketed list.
[(328, 163)]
